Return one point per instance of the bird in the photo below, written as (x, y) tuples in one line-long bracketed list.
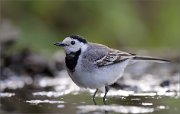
[(96, 66)]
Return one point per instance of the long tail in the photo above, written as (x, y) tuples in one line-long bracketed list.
[(150, 59)]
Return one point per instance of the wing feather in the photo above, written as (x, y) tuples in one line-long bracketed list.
[(113, 56)]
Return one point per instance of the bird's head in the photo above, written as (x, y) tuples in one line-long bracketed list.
[(72, 43)]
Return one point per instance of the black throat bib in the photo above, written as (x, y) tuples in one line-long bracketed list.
[(71, 60)]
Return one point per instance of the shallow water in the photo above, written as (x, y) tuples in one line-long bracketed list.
[(81, 102), (22, 94)]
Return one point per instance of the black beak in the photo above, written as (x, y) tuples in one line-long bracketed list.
[(60, 44)]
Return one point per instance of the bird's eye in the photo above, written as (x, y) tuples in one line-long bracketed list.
[(72, 42)]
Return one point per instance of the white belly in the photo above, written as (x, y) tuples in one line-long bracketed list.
[(98, 77)]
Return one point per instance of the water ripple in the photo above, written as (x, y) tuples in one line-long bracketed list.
[(44, 101), (117, 109), (6, 94)]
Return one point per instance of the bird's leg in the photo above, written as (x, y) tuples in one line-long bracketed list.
[(95, 96), (106, 91)]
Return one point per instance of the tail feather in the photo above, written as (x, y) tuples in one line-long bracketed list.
[(150, 59)]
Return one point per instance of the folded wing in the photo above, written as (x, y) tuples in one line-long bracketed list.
[(113, 56)]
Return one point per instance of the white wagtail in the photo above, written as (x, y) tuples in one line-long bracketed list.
[(96, 66)]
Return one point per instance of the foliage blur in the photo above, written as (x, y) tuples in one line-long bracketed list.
[(117, 23)]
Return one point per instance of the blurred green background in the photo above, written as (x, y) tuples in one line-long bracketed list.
[(136, 24)]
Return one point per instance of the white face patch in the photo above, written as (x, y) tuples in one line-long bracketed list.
[(73, 45)]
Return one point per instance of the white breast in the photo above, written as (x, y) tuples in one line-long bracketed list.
[(97, 77)]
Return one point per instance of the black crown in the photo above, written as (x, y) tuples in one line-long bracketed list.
[(79, 38)]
